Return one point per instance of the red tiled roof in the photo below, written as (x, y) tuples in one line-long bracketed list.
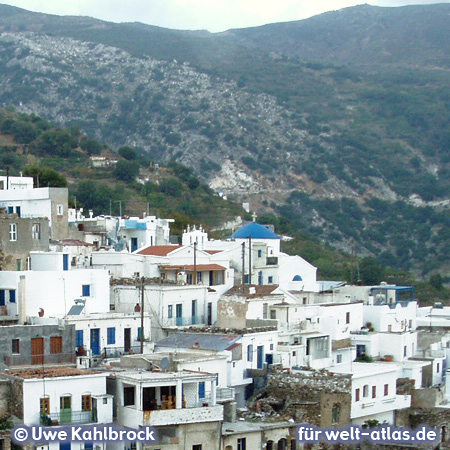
[(212, 252), (159, 250), (199, 268)]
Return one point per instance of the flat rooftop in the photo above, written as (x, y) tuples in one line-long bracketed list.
[(364, 369), (51, 372), (147, 376), (241, 426)]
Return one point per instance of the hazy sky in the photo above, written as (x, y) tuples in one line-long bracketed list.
[(212, 15)]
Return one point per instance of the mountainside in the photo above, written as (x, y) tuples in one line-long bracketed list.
[(363, 36), (357, 154)]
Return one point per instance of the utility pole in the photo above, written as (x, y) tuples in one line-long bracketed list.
[(243, 263), (250, 259), (195, 262), (142, 314)]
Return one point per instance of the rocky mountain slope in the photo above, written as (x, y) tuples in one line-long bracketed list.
[(356, 154)]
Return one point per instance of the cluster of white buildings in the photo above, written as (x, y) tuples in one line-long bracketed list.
[(135, 329)]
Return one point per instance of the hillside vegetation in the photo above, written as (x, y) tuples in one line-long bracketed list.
[(60, 157), (339, 123)]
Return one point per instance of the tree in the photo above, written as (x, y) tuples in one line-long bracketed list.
[(126, 170), (45, 177), (95, 196), (56, 143), (371, 271), (91, 146), (127, 153), (436, 281)]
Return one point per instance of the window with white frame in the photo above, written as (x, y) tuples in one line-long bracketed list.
[(59, 209), (13, 232), (36, 231), (366, 390)]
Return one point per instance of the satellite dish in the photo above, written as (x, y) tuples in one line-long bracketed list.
[(164, 363)]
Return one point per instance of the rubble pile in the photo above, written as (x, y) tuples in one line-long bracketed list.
[(286, 393)]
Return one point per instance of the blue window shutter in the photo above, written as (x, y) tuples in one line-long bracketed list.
[(79, 339), (12, 296), (139, 333), (86, 290), (111, 335), (2, 297), (201, 389)]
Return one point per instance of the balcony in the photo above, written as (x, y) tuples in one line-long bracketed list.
[(117, 352), (68, 417), (224, 394), (303, 326), (271, 261), (183, 321), (183, 416)]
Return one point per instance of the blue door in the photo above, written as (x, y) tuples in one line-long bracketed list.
[(95, 341), (360, 350), (260, 356), (201, 389), (179, 312), (65, 262), (134, 244)]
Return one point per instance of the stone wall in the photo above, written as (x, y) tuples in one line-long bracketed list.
[(307, 396)]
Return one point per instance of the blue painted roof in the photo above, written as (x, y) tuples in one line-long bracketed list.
[(256, 230)]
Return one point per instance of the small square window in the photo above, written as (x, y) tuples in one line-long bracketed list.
[(86, 290)]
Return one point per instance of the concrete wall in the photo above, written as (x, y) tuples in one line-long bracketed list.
[(25, 243), (232, 312), (41, 202), (5, 403), (427, 398), (25, 333)]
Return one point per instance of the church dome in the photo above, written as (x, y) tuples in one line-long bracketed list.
[(256, 231)]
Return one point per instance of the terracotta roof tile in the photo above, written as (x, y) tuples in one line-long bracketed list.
[(159, 250)]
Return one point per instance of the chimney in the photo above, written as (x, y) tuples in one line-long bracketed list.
[(22, 301)]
